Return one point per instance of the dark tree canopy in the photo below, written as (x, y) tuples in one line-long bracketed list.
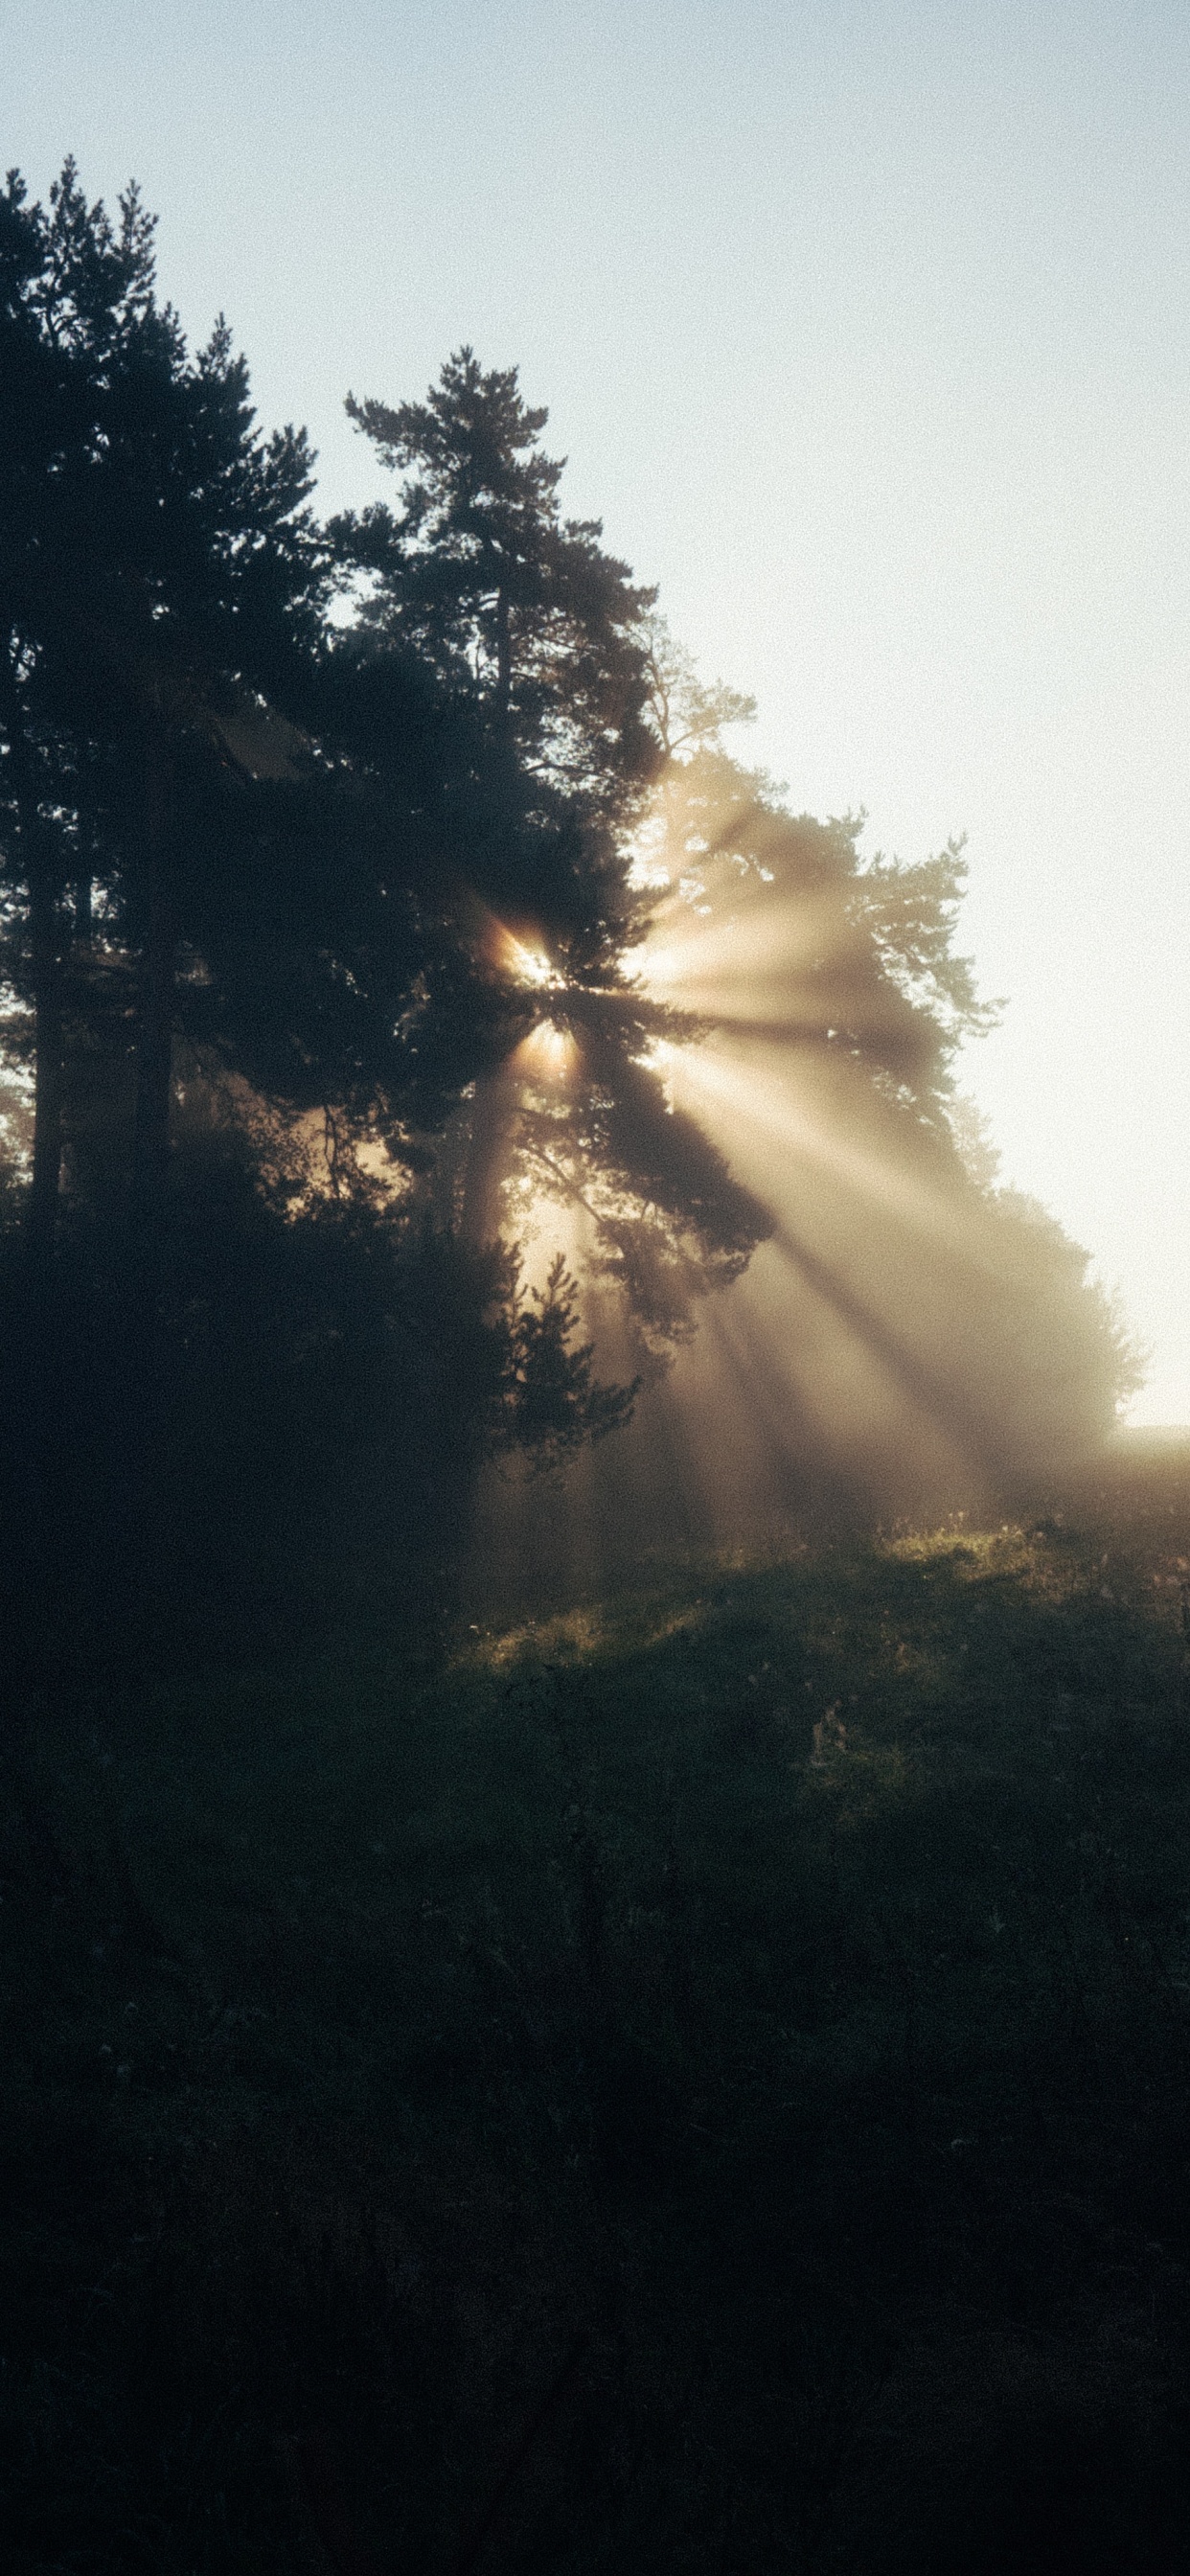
[(524, 618), (327, 853), (162, 575)]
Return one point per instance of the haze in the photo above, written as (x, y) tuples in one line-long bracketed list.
[(863, 330)]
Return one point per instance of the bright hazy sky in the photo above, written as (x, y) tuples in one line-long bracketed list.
[(865, 329)]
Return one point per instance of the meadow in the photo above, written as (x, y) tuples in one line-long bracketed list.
[(697, 2081)]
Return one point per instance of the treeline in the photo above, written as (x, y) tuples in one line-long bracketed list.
[(322, 887)]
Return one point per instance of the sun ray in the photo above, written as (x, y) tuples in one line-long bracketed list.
[(521, 963), (774, 940), (547, 1055), (775, 1136), (888, 1348)]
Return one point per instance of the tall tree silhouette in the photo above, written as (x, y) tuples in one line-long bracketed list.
[(543, 645), (521, 613), (73, 293), (162, 575)]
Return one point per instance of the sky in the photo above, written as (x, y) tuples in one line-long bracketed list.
[(864, 329)]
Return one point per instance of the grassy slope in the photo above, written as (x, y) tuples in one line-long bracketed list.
[(702, 2085)]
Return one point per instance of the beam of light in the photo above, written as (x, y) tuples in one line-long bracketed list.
[(908, 1375), (817, 1368), (521, 964), (859, 1367), (516, 960), (544, 1227), (896, 1346), (776, 938), (792, 968), (547, 1055), (799, 1388), (748, 1110)]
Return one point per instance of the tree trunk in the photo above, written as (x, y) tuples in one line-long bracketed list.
[(150, 1137), (479, 1216), (49, 1066), (503, 653), (44, 880), (154, 1072)]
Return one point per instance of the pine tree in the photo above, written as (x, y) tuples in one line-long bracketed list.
[(162, 579), (524, 617), (72, 292)]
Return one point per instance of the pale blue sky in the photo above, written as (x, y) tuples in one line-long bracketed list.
[(865, 329)]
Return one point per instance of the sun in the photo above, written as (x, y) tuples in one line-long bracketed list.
[(525, 965)]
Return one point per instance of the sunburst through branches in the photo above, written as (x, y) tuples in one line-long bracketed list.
[(897, 1333)]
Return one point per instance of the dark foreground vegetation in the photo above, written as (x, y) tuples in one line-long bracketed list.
[(703, 2084)]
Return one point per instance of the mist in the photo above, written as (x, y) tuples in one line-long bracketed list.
[(908, 1339)]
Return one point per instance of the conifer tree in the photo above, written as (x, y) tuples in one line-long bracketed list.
[(522, 615), (161, 578), (542, 645)]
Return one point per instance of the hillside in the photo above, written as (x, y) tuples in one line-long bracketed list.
[(700, 2083)]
